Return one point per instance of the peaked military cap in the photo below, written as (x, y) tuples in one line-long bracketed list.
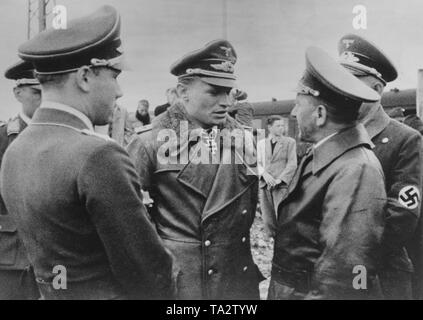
[(23, 73), (362, 57), (214, 64), (325, 78), (93, 40)]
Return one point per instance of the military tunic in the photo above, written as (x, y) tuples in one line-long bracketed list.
[(17, 279), (203, 212), (399, 150), (76, 199)]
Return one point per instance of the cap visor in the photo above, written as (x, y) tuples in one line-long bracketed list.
[(220, 82), (120, 63)]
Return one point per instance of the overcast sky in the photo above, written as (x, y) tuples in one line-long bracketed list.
[(270, 37)]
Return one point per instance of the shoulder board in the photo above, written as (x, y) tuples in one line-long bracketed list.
[(13, 126), (96, 134), (143, 129)]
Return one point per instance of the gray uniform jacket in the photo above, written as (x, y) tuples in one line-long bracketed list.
[(76, 198)]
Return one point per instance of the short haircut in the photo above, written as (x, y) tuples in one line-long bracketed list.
[(271, 120), (347, 116), (52, 79), (144, 102)]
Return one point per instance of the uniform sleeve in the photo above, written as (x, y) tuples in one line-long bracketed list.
[(109, 187), (403, 208), (351, 230), (261, 156), (291, 165)]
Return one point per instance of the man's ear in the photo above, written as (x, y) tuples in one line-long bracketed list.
[(17, 93), (321, 115), (182, 91), (378, 87), (82, 78)]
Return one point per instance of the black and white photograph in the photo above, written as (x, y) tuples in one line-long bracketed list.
[(211, 155)]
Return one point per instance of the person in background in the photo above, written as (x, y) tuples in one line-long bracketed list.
[(142, 114), (241, 110), (17, 280), (172, 96), (413, 121), (399, 150), (277, 161), (397, 114)]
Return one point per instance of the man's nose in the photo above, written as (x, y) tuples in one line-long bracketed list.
[(119, 92), (294, 111), (224, 100)]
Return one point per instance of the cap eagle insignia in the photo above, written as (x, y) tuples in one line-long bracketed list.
[(226, 66), (349, 56)]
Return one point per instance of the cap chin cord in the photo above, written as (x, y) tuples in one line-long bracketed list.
[(359, 69), (114, 63)]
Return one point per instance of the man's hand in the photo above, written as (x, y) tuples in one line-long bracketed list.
[(271, 182)]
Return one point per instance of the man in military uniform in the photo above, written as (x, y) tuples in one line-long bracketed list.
[(331, 220), (203, 209), (17, 279), (74, 193), (399, 150), (241, 110)]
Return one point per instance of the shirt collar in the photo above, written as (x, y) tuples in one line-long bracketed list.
[(274, 139), (24, 118), (68, 109)]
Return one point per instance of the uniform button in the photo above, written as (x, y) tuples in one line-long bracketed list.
[(243, 239), (385, 140), (210, 272), (245, 268), (244, 211), (207, 243)]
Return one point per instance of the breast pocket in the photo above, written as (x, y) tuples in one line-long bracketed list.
[(8, 240)]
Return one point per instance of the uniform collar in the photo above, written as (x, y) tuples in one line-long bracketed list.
[(24, 118), (68, 109), (376, 121), (323, 140), (336, 145)]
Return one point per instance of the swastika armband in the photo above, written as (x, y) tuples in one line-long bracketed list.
[(409, 197)]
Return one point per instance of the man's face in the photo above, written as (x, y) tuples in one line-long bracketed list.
[(171, 97), (142, 109), (105, 91), (207, 104), (277, 128), (366, 108), (304, 111), (29, 97)]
